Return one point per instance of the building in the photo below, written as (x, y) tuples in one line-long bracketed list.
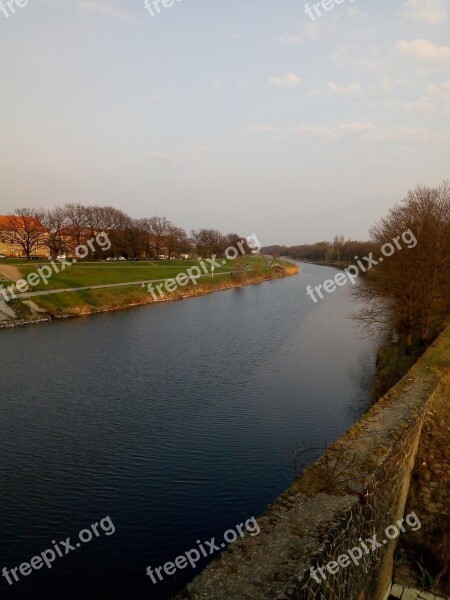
[(9, 245)]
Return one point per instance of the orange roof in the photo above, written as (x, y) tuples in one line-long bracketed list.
[(5, 220)]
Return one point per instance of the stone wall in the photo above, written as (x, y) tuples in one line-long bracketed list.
[(320, 518)]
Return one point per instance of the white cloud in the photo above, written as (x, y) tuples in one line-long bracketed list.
[(384, 85), (310, 33), (322, 133), (342, 58), (353, 12), (262, 129), (422, 106), (335, 88), (289, 80), (195, 155), (440, 91), (404, 135), (424, 51), (288, 39), (368, 132), (164, 157), (105, 8), (358, 128), (217, 85), (430, 11)]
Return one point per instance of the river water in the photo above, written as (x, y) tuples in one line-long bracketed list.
[(175, 420)]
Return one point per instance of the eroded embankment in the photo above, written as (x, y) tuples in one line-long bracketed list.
[(354, 492)]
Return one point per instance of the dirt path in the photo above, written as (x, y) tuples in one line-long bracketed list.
[(10, 272), (109, 285)]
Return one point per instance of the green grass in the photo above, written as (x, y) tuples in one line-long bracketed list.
[(86, 274), (246, 270)]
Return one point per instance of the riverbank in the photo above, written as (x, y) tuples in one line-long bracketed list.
[(55, 305), (342, 264), (358, 488), (393, 361)]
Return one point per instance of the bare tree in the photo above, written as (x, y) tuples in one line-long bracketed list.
[(54, 222), (118, 225), (77, 222), (176, 241), (65, 228), (158, 229), (208, 241), (198, 241), (26, 230), (338, 244), (407, 289)]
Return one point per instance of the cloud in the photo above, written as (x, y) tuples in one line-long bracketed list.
[(424, 51), (335, 88), (322, 133), (217, 85), (384, 85), (368, 132), (262, 129), (353, 12), (407, 135), (105, 8), (289, 80), (359, 129), (291, 39), (422, 106), (430, 11), (310, 33), (440, 91), (195, 155), (165, 157), (342, 58)]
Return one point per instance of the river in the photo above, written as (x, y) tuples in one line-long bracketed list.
[(176, 420)]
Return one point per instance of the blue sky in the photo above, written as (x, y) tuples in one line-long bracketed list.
[(245, 116)]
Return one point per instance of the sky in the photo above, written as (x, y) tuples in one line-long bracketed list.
[(242, 115)]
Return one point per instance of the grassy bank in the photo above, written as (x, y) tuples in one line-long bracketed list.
[(99, 273), (250, 270)]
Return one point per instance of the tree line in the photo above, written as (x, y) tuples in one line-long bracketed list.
[(337, 251), (409, 292), (63, 228)]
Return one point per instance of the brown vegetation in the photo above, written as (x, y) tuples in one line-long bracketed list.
[(410, 291)]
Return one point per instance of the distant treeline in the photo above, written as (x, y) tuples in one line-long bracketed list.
[(63, 228), (413, 282), (408, 293), (336, 251)]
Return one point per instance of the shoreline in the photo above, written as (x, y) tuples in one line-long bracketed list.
[(195, 292), (334, 265)]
